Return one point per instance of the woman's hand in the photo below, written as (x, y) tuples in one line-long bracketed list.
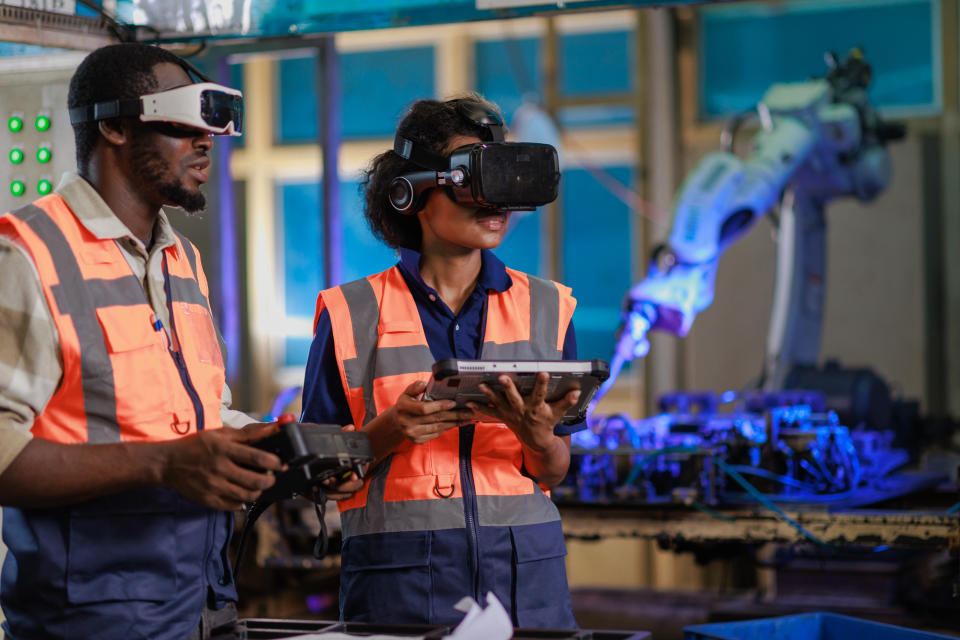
[(546, 456), (531, 418), (422, 420)]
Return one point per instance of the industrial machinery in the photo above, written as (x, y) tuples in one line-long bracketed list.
[(819, 140), (706, 449)]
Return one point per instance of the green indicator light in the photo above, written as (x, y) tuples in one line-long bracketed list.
[(44, 187), (42, 123), (43, 155), (17, 188), (15, 123), (16, 156)]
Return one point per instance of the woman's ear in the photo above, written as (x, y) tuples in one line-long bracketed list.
[(114, 131)]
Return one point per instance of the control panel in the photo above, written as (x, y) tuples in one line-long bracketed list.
[(36, 139)]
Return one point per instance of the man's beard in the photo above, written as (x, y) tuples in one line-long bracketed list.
[(151, 168)]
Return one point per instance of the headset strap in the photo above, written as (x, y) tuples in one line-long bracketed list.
[(106, 110), (405, 148)]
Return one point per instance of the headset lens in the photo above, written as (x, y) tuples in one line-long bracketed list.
[(218, 109)]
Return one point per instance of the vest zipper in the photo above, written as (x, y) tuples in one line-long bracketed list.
[(467, 485), (469, 491), (177, 354)]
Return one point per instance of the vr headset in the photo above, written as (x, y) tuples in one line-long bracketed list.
[(508, 176), (204, 106)]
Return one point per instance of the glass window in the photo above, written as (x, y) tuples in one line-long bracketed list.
[(300, 240), (377, 86), (506, 70), (596, 257), (745, 49), (520, 248)]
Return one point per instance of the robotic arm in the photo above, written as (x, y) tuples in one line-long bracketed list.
[(819, 140)]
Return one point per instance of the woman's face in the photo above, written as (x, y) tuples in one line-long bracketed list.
[(451, 227)]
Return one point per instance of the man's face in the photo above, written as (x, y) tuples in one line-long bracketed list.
[(171, 167)]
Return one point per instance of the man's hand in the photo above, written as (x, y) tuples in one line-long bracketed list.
[(340, 489), (218, 468)]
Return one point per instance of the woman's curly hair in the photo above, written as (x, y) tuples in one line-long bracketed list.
[(429, 124)]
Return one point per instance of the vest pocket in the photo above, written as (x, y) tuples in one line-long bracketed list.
[(541, 597), (122, 547), (135, 347), (386, 578)]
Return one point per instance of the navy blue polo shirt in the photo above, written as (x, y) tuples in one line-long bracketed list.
[(449, 335)]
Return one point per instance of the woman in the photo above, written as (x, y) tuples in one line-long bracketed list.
[(455, 502)]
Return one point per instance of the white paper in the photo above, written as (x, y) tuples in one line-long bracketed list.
[(491, 623), (339, 635)]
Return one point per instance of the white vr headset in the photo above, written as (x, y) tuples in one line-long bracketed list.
[(204, 106)]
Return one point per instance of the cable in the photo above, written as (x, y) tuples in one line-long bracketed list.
[(322, 543), (638, 467), (602, 175), (769, 475), (749, 488), (699, 506), (123, 32), (763, 500)]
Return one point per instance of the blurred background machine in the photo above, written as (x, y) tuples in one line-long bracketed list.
[(822, 459), (802, 435), (819, 140)]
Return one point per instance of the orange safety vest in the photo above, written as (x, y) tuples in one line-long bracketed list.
[(121, 380), (381, 348)]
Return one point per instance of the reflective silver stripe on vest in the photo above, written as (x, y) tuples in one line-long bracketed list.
[(187, 290), (99, 393), (392, 361), (121, 292), (404, 515), (544, 318), (512, 511), (544, 327), (364, 316)]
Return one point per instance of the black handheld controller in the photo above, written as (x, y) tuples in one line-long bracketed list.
[(312, 453)]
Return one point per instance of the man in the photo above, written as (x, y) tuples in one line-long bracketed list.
[(117, 519)]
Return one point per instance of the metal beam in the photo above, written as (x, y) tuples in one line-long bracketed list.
[(49, 29), (851, 528), (328, 93)]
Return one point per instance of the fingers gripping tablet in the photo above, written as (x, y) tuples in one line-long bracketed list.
[(460, 380)]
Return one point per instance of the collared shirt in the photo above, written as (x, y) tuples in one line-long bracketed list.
[(449, 335), (31, 364)]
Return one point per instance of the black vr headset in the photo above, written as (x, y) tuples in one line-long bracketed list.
[(508, 176)]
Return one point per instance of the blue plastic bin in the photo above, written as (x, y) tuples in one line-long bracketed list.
[(807, 626)]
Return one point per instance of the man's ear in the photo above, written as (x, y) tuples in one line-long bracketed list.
[(114, 130)]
